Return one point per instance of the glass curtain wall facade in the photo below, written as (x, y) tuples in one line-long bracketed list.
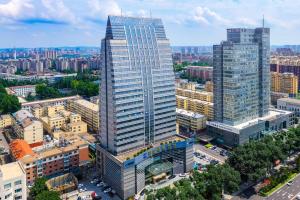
[(137, 98)]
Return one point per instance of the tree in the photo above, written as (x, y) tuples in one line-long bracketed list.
[(9, 103), (49, 195), (38, 187), (46, 92)]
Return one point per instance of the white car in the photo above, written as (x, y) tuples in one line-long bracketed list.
[(107, 190), (182, 175), (298, 197)]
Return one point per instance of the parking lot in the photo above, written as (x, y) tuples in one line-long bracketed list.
[(204, 156)]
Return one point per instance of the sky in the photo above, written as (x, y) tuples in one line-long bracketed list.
[(56, 23)]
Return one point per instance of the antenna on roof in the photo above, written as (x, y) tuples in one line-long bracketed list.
[(263, 22), (121, 12)]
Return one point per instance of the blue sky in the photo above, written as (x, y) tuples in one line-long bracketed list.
[(51, 23)]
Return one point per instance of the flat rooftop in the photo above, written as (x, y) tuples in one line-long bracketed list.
[(189, 113), (130, 154), (290, 100), (87, 104), (273, 114), (12, 171)]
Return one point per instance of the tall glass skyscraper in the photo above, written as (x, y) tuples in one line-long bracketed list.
[(137, 84), (138, 107), (242, 76)]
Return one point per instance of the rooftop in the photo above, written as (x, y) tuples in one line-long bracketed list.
[(20, 148), (290, 100), (87, 104), (189, 113), (130, 154), (50, 100), (14, 167)]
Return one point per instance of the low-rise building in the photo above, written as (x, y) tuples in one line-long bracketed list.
[(289, 104), (189, 122), (13, 181), (88, 111), (5, 121), (202, 72), (277, 95), (209, 86), (27, 127), (54, 157), (22, 91)]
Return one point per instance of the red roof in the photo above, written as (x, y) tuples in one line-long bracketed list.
[(20, 148)]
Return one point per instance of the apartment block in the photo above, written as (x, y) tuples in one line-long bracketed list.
[(202, 72), (13, 181), (63, 120), (22, 91), (284, 83), (89, 112), (5, 121), (27, 127), (209, 86), (52, 158)]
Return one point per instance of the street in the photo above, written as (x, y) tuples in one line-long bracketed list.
[(214, 154), (287, 192)]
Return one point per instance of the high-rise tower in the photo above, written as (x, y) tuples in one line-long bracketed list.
[(137, 107), (241, 78)]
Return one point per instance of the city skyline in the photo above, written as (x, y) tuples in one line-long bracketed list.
[(38, 23)]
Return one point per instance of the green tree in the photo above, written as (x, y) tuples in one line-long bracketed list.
[(38, 187), (49, 195), (9, 103)]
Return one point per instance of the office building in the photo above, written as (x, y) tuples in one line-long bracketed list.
[(289, 104), (89, 112), (241, 78), (27, 127), (284, 83), (277, 95), (13, 182), (138, 137)]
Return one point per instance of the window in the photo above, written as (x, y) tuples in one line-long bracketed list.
[(19, 182), (7, 186), (18, 197), (18, 190), (7, 196)]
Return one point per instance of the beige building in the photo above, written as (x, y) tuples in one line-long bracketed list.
[(209, 86), (284, 83), (88, 111), (63, 120), (189, 122), (28, 127), (13, 182), (5, 121)]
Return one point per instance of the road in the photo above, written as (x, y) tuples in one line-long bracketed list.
[(287, 192), (284, 193)]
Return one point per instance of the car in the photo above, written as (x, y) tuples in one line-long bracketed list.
[(107, 190), (214, 162), (214, 148), (92, 182), (105, 187), (182, 175), (143, 191), (223, 152), (98, 185), (290, 183), (298, 197), (171, 177), (81, 190)]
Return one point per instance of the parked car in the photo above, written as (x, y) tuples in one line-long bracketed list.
[(107, 190), (298, 197), (214, 162), (214, 148), (182, 175), (223, 152), (290, 183), (172, 176)]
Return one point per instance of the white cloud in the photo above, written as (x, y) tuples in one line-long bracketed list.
[(206, 16), (57, 10), (103, 8), (15, 8)]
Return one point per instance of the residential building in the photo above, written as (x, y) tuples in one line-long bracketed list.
[(209, 86), (5, 121), (138, 137), (27, 127), (53, 158), (13, 182), (277, 95), (284, 83), (241, 78), (63, 120), (48, 102), (22, 91), (201, 72), (189, 123), (89, 112)]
